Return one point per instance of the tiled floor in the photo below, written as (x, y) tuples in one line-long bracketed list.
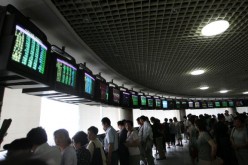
[(176, 156)]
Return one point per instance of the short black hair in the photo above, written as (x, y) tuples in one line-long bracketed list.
[(129, 122), (93, 129), (37, 136), (106, 120), (144, 118), (201, 124), (80, 137), (121, 122)]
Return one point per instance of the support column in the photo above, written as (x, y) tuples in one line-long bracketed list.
[(182, 113), (1, 99), (126, 113)]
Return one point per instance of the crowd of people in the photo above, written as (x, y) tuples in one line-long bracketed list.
[(212, 140)]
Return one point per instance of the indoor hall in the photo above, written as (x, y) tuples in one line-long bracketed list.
[(130, 58)]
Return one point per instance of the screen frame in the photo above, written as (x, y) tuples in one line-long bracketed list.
[(9, 38), (60, 86), (122, 103), (111, 96)]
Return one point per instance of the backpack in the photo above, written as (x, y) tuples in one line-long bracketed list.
[(96, 158)]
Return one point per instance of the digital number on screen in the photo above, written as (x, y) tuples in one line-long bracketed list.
[(66, 73), (29, 50)]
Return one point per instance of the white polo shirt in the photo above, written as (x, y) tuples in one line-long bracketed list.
[(111, 137)]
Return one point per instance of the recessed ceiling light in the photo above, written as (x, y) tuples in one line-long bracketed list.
[(223, 91), (215, 28), (204, 87), (197, 72), (245, 93)]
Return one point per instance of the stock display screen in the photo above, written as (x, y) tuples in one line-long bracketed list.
[(66, 73), (29, 50)]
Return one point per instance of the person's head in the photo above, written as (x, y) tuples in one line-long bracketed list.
[(62, 138), (92, 133), (153, 119), (192, 119), (138, 121), (129, 125), (221, 117), (37, 136), (17, 147), (165, 120), (239, 121), (226, 112), (170, 120), (142, 119), (175, 119), (105, 123), (200, 125), (80, 139), (121, 124)]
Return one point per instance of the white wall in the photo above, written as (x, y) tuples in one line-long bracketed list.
[(23, 109), (242, 109), (56, 115)]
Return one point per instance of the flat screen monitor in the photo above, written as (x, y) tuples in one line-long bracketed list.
[(158, 103), (165, 104), (125, 99), (135, 101), (29, 50), (191, 104), (224, 104), (239, 103), (104, 90), (210, 104), (116, 96), (204, 104), (24, 49), (231, 103), (197, 104), (178, 104), (171, 104), (143, 102), (66, 73), (150, 102), (184, 104), (217, 104), (89, 84)]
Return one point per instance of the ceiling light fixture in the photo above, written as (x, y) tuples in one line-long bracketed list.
[(223, 91), (245, 93), (204, 87), (215, 28), (197, 72)]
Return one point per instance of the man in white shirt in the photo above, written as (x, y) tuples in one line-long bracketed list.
[(228, 117), (110, 142), (146, 137), (41, 149)]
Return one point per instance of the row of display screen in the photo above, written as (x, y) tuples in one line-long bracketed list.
[(31, 54)]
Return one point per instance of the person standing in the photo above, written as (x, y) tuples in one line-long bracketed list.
[(63, 141), (95, 144), (110, 142), (79, 142), (146, 144), (122, 149), (132, 142), (38, 138), (239, 139)]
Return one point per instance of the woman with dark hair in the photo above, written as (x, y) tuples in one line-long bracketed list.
[(239, 139), (63, 141), (80, 140), (206, 146)]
